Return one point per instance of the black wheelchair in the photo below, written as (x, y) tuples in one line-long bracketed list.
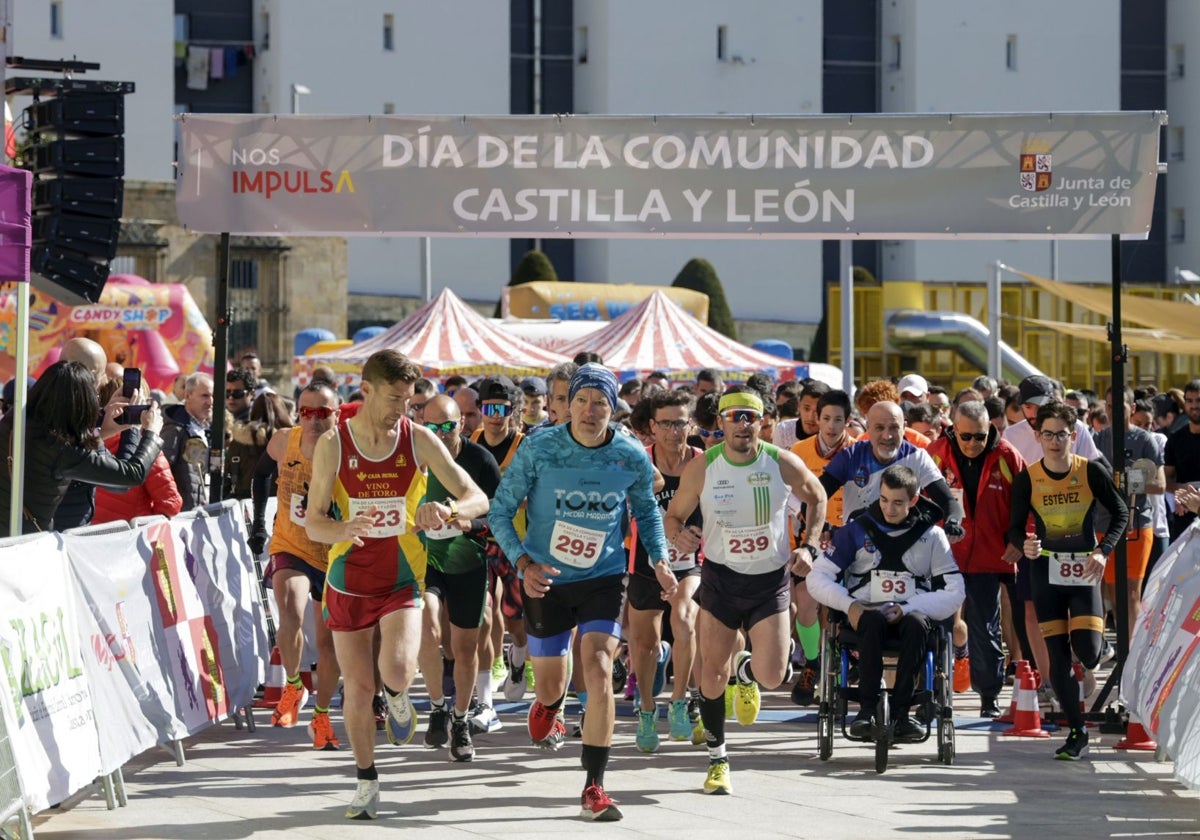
[(933, 700)]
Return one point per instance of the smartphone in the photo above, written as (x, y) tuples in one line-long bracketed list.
[(132, 415), (132, 383)]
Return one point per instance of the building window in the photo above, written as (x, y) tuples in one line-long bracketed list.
[(894, 52), (1178, 61), (243, 303), (389, 33), (722, 43), (1178, 225), (56, 18), (1175, 146), (389, 107), (1010, 52), (581, 44)]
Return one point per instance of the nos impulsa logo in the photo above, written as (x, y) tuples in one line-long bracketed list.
[(267, 181)]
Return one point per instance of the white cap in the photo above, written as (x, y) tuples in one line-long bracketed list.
[(913, 384)]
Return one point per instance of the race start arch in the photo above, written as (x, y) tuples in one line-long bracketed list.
[(878, 176)]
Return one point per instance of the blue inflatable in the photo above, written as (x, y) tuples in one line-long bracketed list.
[(775, 347), (367, 332), (308, 337)]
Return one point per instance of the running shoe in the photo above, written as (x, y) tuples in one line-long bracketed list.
[(647, 730), (989, 707), (401, 718), (1047, 697), (514, 678), (461, 748), (717, 780), (804, 692), (287, 712), (577, 729), (631, 686), (747, 700), (1076, 746), (499, 670), (1106, 653), (379, 706), (598, 806), (365, 804), (545, 728), (484, 719), (320, 729), (439, 728), (677, 717), (660, 668), (962, 674)]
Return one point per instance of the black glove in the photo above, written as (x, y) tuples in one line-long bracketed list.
[(953, 528), (257, 541)]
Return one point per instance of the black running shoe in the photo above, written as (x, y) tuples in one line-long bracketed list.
[(804, 692), (1076, 746), (461, 748), (439, 728)]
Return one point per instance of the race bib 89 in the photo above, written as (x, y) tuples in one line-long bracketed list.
[(1068, 572)]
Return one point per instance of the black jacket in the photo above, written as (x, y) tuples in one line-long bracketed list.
[(50, 466), (185, 446)]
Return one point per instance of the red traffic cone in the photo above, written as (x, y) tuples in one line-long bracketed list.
[(273, 688), (1021, 666), (1028, 722), (1136, 738)]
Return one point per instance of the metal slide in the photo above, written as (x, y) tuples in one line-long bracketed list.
[(912, 329)]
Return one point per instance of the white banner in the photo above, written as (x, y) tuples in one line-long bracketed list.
[(1161, 679), (54, 734)]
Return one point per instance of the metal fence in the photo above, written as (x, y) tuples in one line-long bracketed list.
[(12, 800)]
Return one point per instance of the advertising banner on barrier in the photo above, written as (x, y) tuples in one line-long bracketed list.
[(235, 637), (1161, 677), (54, 734), (884, 176)]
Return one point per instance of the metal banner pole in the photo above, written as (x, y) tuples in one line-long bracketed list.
[(846, 272)]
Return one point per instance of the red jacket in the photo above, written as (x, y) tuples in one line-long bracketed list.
[(982, 547), (158, 494)]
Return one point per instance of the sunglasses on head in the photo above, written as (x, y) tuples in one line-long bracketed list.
[(742, 415), (706, 434), (979, 437), (445, 428), (321, 413), (496, 409), (236, 395)]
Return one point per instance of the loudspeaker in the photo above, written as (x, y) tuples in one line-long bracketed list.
[(78, 158)]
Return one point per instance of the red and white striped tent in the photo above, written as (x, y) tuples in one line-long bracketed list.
[(446, 337), (658, 334)]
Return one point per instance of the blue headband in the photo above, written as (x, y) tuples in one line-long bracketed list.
[(595, 376)]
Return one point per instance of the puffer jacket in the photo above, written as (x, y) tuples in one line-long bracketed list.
[(157, 494), (185, 446), (50, 466)]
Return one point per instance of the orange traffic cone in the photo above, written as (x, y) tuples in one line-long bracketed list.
[(276, 677), (1028, 722), (1021, 666), (1136, 738)]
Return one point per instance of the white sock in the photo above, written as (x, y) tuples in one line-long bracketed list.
[(483, 687), (518, 654)]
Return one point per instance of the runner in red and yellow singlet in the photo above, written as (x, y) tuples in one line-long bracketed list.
[(367, 500)]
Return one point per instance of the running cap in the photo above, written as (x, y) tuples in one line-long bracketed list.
[(595, 376), (914, 384), (740, 399), (1037, 390)]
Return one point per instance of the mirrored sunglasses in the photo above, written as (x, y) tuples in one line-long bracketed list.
[(706, 434), (445, 428), (742, 415), (496, 409), (321, 413), (236, 395)]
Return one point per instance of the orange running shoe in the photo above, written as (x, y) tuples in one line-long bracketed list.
[(962, 674), (287, 713), (321, 731)]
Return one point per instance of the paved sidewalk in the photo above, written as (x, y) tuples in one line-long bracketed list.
[(271, 784)]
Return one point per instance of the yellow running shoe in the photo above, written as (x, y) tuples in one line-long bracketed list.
[(287, 712), (730, 692), (718, 778), (747, 700)]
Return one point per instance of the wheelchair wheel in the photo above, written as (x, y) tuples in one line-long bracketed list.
[(884, 727), (825, 730), (945, 740)]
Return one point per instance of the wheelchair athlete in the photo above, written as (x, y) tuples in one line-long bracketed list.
[(891, 572)]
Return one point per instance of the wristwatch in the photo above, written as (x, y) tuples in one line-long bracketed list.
[(453, 505), (812, 550)]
